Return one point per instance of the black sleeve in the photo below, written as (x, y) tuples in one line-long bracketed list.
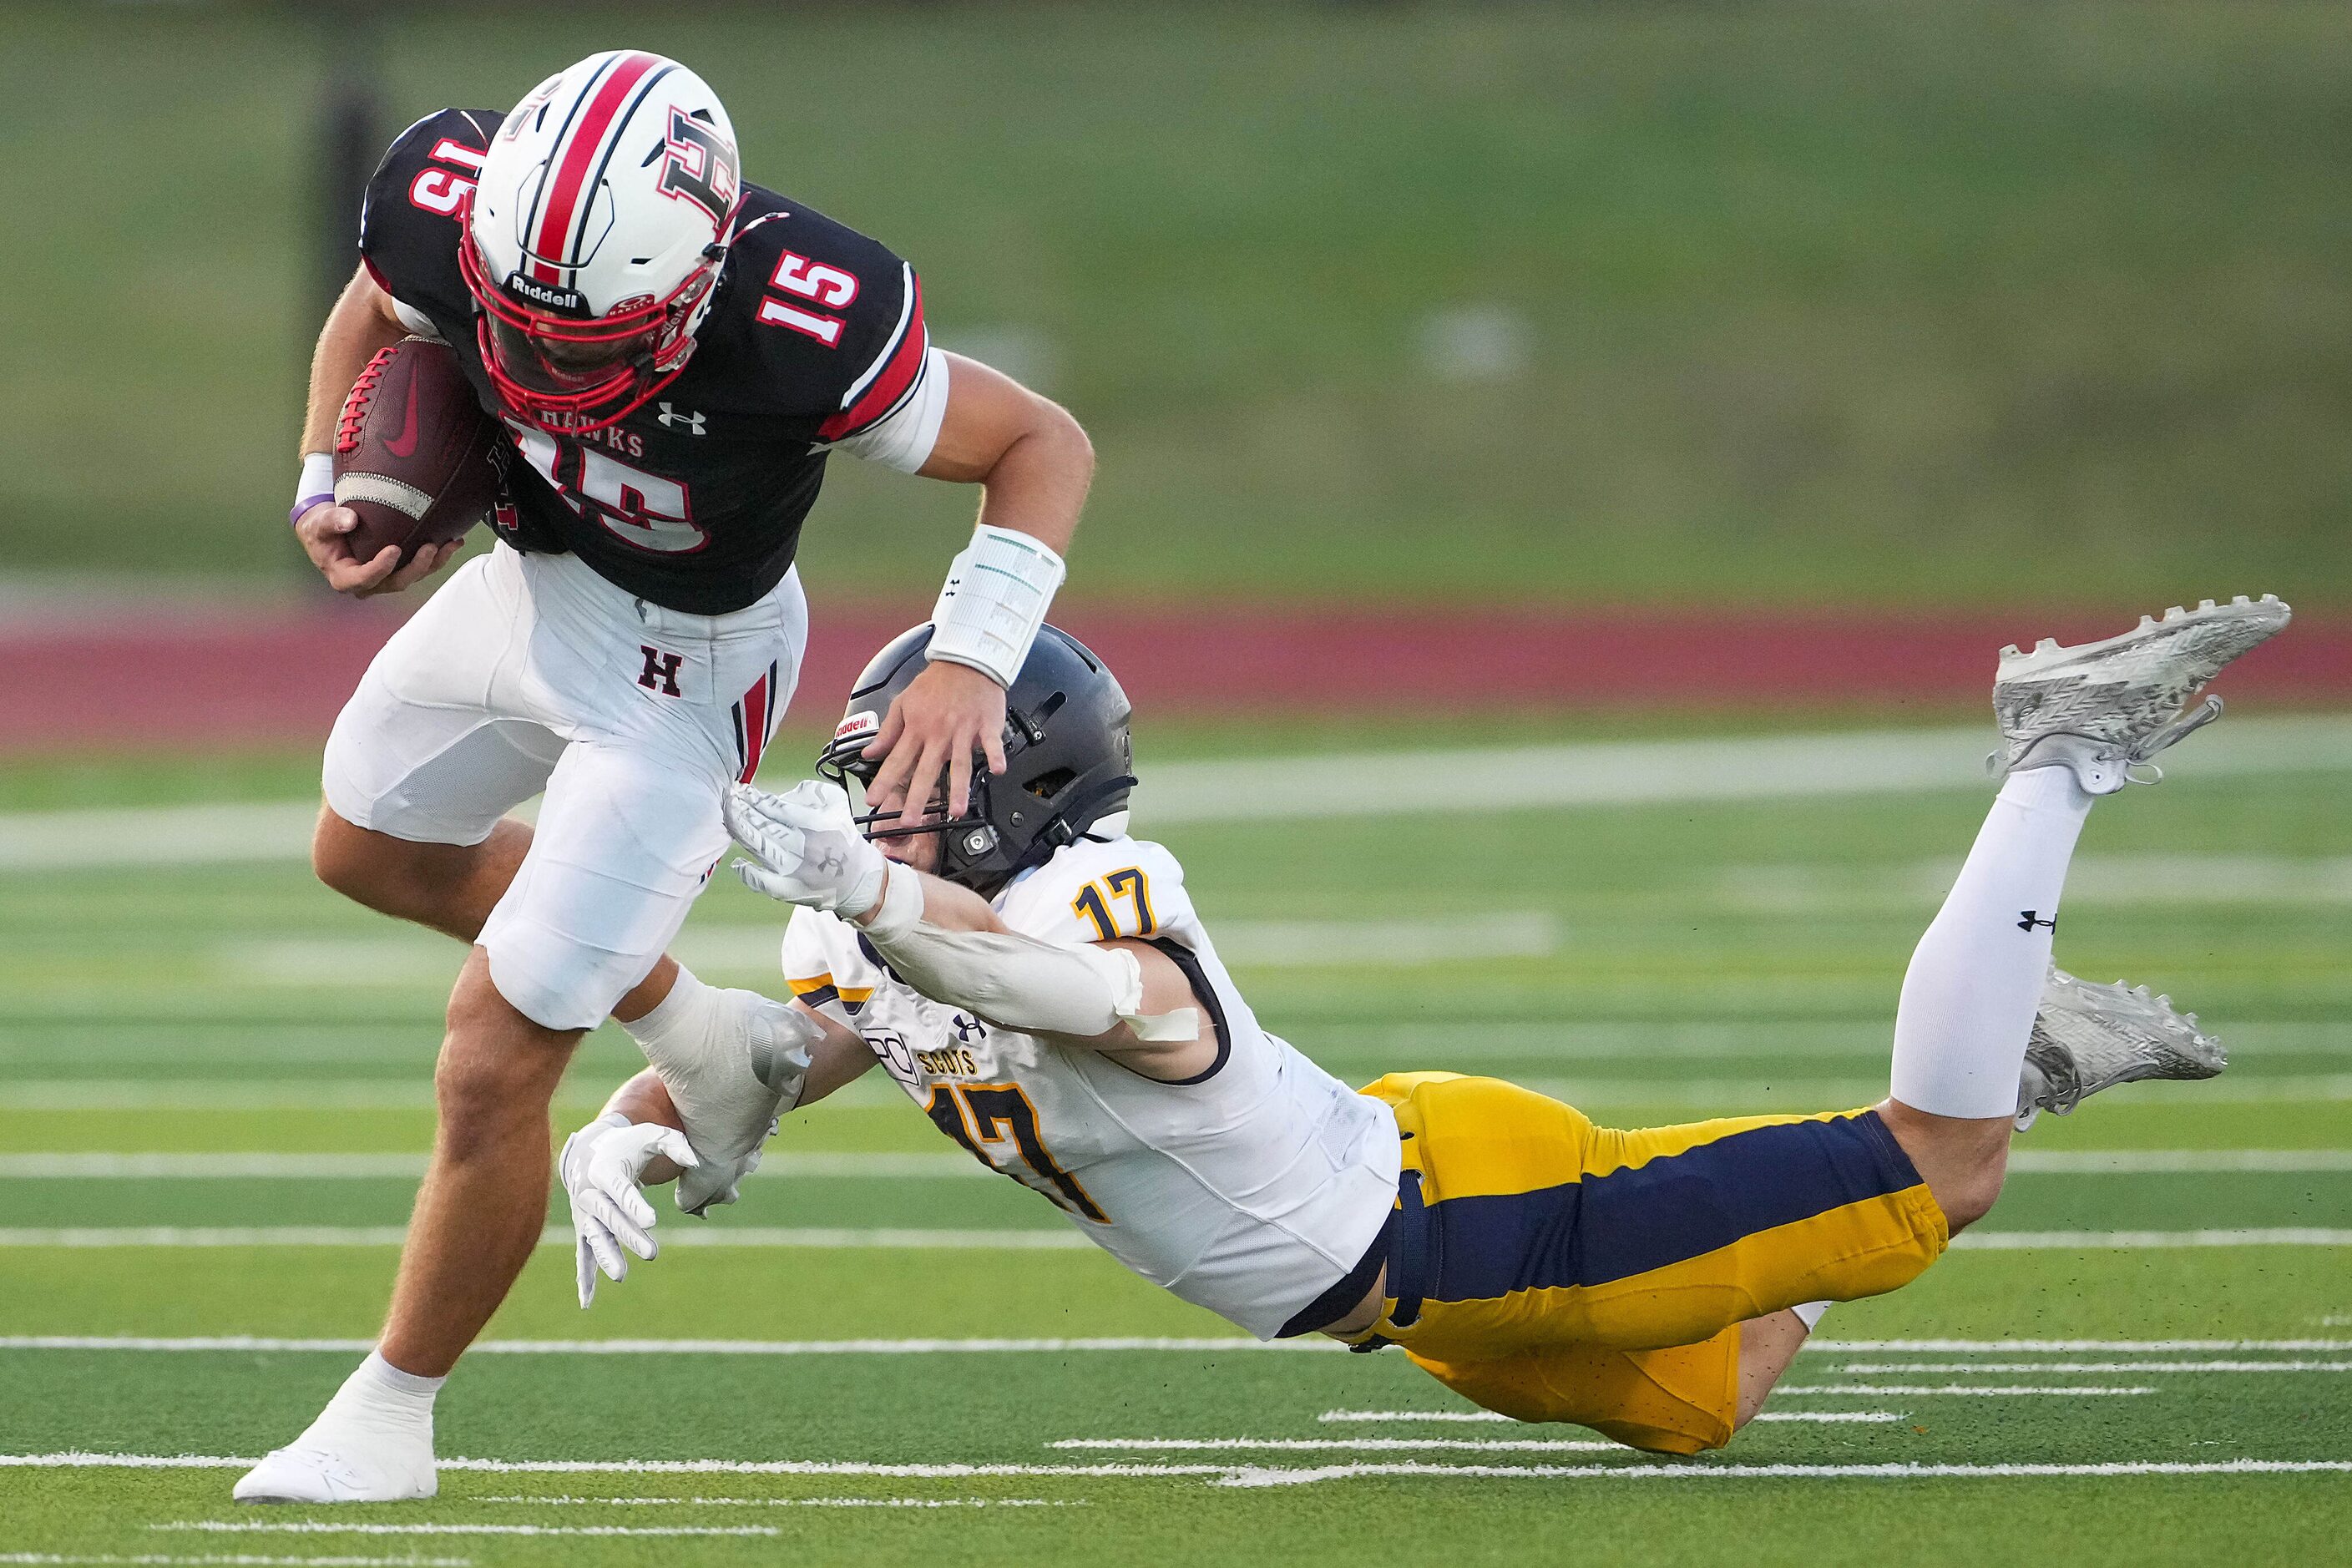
[(408, 221), (839, 318)]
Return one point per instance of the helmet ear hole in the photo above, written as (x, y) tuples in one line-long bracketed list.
[(1046, 786)]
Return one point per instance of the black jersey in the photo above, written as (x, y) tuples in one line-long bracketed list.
[(693, 502)]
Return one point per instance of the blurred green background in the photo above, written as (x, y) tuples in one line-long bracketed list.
[(1891, 302)]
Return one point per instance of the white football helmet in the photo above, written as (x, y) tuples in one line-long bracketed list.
[(593, 241)]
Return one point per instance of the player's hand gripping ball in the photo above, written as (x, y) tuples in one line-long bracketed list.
[(415, 458)]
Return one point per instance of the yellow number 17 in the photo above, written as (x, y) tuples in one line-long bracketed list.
[(1130, 886)]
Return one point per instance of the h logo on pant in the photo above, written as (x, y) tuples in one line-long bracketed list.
[(661, 670)]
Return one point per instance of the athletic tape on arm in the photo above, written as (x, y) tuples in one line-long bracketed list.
[(994, 602), (1019, 982)]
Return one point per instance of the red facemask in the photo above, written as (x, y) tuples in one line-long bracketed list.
[(582, 374)]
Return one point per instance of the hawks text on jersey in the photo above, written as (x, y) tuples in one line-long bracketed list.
[(694, 501)]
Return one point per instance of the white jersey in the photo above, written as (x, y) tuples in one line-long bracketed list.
[(1250, 1190)]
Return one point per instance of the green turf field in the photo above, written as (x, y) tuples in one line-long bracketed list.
[(214, 1095), (1822, 300)]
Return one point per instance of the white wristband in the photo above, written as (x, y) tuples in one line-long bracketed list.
[(317, 475), (995, 598), (317, 483)]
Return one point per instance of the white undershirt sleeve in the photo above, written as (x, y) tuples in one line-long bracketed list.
[(1019, 982), (905, 439), (417, 322)]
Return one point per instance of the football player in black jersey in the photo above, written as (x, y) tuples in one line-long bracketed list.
[(674, 355)]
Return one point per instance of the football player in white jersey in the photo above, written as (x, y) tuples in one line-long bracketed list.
[(1040, 983)]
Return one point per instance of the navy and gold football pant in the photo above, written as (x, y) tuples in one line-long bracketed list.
[(1554, 1270)]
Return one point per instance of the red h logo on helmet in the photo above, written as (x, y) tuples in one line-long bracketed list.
[(702, 166)]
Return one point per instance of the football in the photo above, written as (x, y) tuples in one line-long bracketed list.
[(415, 455)]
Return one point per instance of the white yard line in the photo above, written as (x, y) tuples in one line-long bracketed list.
[(2039, 1240), (244, 1344), (156, 836), (2064, 1347), (1715, 1093), (1770, 767), (784, 1501), (414, 1093), (398, 958), (1712, 1093), (215, 1094), (1481, 1415), (1314, 1445), (1688, 1472), (1021, 1240), (764, 1236), (1989, 1391), (1040, 1240), (1228, 1475), (77, 1460), (87, 1165), (250, 1344), (221, 1559), (1800, 888), (1300, 788), (328, 1527), (1863, 1369), (2166, 1161), (81, 1237)]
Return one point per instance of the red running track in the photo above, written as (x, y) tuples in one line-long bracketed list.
[(222, 680)]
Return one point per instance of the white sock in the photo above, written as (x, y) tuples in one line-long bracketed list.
[(380, 1397), (684, 1014), (1976, 976), (1810, 1314)]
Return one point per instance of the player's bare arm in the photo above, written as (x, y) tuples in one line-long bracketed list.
[(362, 321), (1034, 465)]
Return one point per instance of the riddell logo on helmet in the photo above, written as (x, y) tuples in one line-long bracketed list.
[(856, 723), (565, 299)]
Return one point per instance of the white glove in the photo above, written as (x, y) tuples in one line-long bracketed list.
[(604, 1168), (808, 847)]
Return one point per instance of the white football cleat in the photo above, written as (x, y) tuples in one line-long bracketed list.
[(729, 1081), (2107, 707), (349, 1463), (2090, 1038)]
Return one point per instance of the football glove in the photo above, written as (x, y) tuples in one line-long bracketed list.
[(807, 847), (602, 1168)]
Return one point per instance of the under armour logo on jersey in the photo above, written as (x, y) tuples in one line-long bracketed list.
[(967, 1028), (2025, 921), (670, 416), (661, 670)]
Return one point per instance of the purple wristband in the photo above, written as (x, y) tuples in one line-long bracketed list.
[(305, 504)]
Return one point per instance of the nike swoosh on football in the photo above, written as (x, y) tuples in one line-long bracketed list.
[(407, 442)]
